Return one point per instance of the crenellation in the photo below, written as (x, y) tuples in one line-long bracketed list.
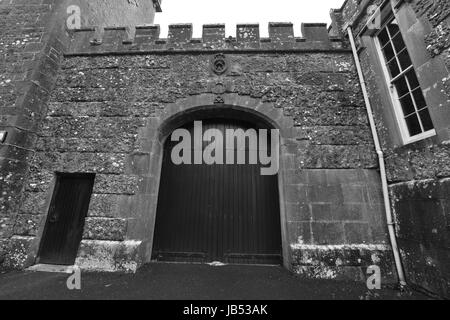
[(114, 38), (247, 36), (179, 35), (214, 35), (80, 39), (144, 36), (315, 32), (281, 32), (147, 37)]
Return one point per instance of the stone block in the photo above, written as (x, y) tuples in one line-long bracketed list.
[(116, 184), (27, 224), (105, 229), (326, 233), (299, 233), (322, 212), (94, 255), (357, 233)]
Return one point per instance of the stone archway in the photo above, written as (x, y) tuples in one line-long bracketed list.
[(173, 115)]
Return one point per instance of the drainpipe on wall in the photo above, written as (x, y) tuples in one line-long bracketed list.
[(376, 140)]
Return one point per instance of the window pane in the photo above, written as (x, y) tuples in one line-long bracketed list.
[(398, 42), (412, 122), (410, 96), (412, 78), (426, 119), (407, 105), (393, 27), (393, 68), (388, 52), (401, 86), (405, 61), (384, 38), (419, 98)]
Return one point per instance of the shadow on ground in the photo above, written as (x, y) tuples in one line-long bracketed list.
[(191, 282)]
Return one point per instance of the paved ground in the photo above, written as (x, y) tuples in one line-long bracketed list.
[(192, 282)]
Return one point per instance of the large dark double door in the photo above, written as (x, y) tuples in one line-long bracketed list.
[(227, 213)]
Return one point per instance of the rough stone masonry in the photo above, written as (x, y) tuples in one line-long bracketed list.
[(102, 99), (418, 173), (113, 94)]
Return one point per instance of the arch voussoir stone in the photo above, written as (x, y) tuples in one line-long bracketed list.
[(175, 114)]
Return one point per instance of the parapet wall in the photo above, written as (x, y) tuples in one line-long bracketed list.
[(147, 38)]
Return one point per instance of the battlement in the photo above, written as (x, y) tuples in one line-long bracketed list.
[(147, 38)]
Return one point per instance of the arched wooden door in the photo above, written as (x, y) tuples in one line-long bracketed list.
[(228, 213)]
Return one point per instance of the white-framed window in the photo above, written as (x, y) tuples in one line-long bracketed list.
[(410, 107)]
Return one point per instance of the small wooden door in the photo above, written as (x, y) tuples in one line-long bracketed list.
[(64, 227), (227, 213)]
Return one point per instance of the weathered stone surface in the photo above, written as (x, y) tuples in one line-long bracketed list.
[(34, 203), (435, 10), (418, 163), (27, 224), (105, 205), (116, 184), (439, 39), (109, 255), (426, 267), (340, 206), (6, 226), (421, 212), (101, 109), (39, 180), (115, 12), (333, 157), (342, 262), (28, 66), (17, 249), (417, 171), (339, 135), (106, 113), (105, 229), (117, 144), (355, 232), (328, 233), (94, 127)]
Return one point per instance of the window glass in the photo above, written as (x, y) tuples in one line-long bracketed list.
[(419, 99), (412, 79), (401, 86), (407, 105), (393, 28), (426, 119), (384, 38), (413, 125), (404, 60), (393, 68), (399, 45), (409, 96), (389, 53)]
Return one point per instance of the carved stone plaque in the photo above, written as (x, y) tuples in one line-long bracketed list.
[(219, 64)]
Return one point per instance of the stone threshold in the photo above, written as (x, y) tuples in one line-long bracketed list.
[(53, 268)]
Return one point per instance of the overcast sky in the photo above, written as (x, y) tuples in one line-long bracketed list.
[(230, 12)]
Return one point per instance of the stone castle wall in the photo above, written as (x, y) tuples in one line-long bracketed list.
[(115, 91), (29, 58), (114, 12), (32, 40), (418, 173)]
